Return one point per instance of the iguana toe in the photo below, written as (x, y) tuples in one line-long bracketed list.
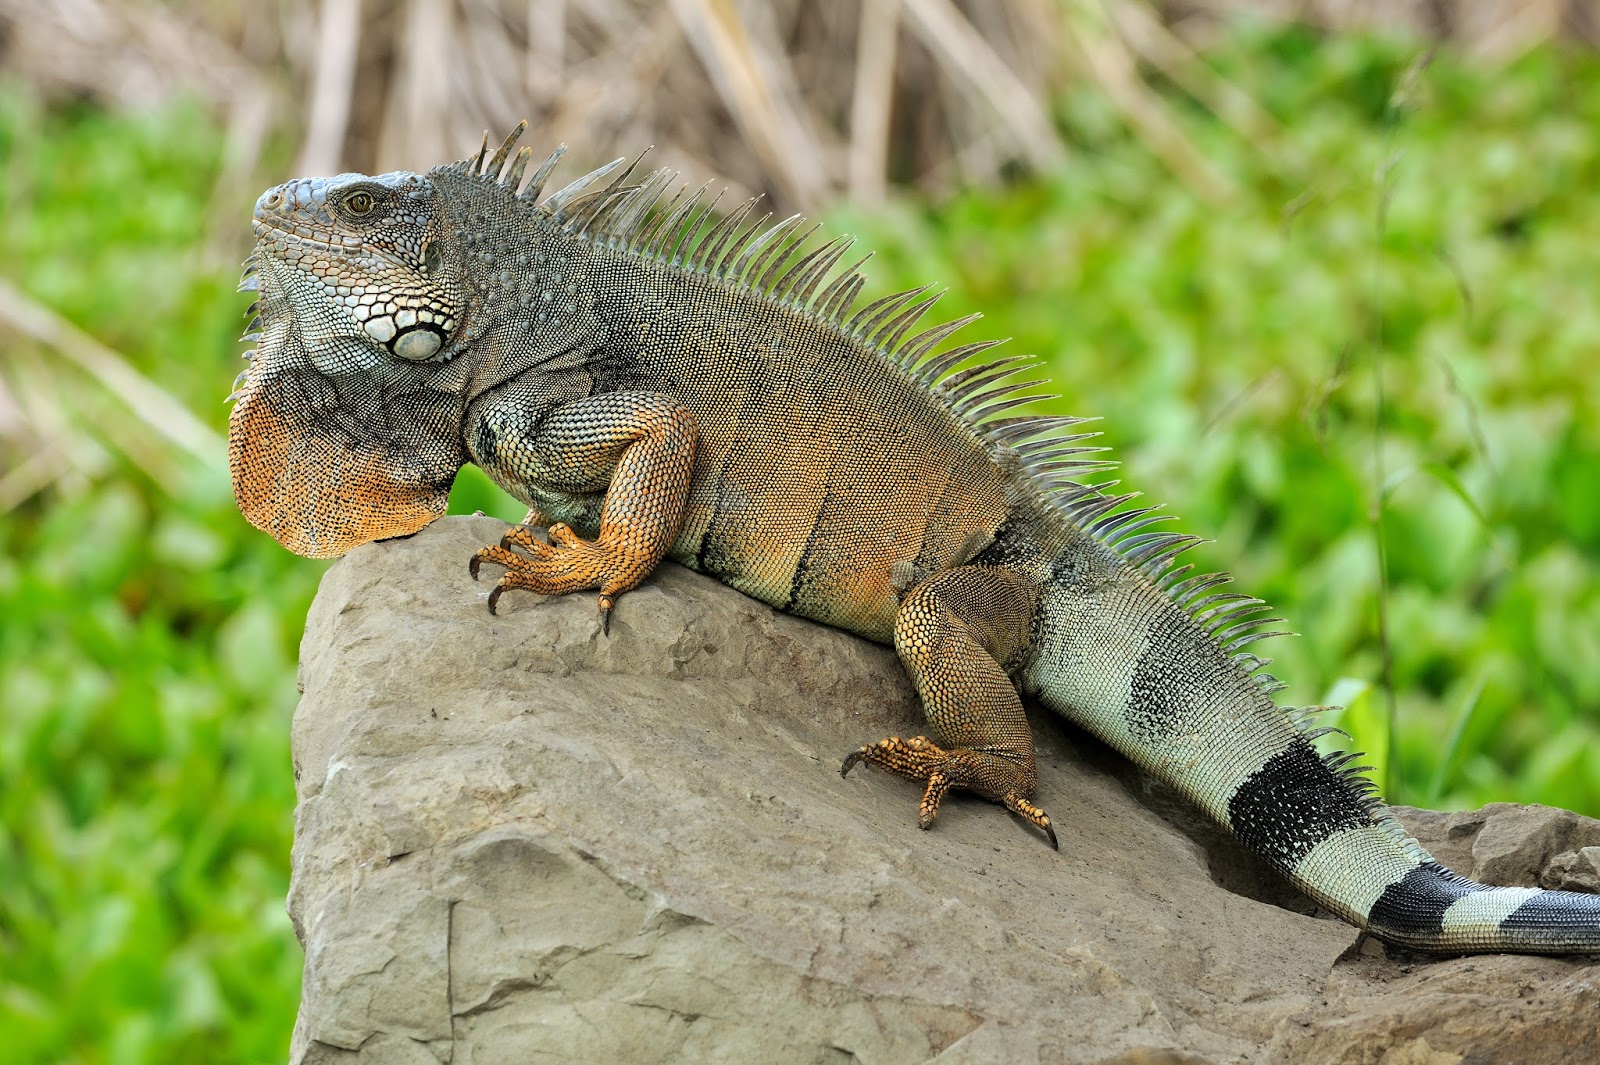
[(497, 554), (520, 535), (1033, 815), (567, 563), (928, 809), (990, 775)]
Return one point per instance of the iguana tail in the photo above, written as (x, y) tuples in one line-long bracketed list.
[(1152, 667)]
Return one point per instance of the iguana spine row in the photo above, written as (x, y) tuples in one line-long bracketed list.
[(655, 383)]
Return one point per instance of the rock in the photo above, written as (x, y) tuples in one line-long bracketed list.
[(1506, 843), (519, 840), (1577, 870)]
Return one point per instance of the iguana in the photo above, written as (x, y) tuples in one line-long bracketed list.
[(655, 382)]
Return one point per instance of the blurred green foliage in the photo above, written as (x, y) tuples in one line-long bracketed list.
[(1443, 237), (147, 640), (1443, 242)]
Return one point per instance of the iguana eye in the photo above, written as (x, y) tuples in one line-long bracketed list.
[(359, 203)]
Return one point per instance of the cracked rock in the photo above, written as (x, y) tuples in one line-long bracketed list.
[(517, 841)]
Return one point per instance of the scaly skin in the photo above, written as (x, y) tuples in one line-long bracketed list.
[(652, 390)]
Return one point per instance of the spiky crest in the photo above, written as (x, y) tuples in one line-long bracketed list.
[(499, 158), (775, 261)]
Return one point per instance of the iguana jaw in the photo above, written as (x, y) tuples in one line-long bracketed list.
[(378, 275), (337, 438)]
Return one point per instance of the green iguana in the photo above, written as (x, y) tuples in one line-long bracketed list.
[(654, 384)]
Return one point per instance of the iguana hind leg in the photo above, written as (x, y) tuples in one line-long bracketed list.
[(955, 633), (636, 447)]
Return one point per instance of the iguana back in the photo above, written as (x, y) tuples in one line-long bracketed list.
[(820, 468), (655, 385)]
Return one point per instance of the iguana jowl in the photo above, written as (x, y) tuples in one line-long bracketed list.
[(652, 387)]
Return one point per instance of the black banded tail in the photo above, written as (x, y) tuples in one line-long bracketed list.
[(1434, 909), (1323, 829), (1118, 655)]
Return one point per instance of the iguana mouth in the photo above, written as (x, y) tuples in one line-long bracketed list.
[(272, 231)]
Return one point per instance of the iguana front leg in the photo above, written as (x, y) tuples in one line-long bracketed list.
[(954, 633), (637, 448)]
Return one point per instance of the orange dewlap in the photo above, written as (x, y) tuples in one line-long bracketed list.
[(315, 490)]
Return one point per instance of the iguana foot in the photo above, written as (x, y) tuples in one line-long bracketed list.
[(919, 758), (568, 563)]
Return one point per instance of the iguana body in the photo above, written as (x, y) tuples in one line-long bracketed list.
[(652, 390)]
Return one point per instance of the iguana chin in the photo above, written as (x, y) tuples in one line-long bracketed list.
[(655, 384)]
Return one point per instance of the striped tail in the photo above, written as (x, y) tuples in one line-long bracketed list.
[(1326, 833), (1431, 908), (1142, 673)]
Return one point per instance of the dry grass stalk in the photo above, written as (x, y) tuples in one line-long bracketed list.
[(753, 83), (871, 98), (1113, 66), (162, 413), (35, 424), (1157, 45), (1495, 30), (950, 36), (762, 91), (332, 85)]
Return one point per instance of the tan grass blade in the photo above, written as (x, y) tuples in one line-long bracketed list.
[(148, 402), (1112, 65), (949, 35), (419, 101), (34, 423), (1157, 45), (871, 98), (762, 101), (333, 75)]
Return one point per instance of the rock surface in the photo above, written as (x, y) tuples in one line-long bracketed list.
[(520, 841)]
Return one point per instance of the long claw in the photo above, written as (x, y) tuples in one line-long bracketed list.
[(921, 759), (851, 760), (928, 809), (564, 564), (1034, 816)]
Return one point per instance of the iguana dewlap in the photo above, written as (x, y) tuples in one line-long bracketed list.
[(654, 387)]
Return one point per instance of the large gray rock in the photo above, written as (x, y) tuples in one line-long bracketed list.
[(518, 840)]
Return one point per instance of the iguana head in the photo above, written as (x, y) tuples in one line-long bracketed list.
[(347, 425)]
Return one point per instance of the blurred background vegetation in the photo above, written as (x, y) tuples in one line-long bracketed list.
[(1326, 269)]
